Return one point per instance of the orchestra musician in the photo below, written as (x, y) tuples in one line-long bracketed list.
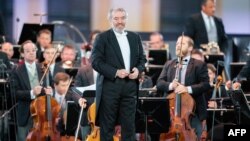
[(118, 58), (205, 27), (194, 80), (62, 95), (48, 55), (44, 38), (26, 83), (68, 57)]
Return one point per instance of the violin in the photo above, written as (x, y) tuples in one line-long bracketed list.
[(182, 107), (44, 111), (95, 130)]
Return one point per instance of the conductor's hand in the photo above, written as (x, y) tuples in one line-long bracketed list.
[(122, 73), (48, 90), (181, 89), (37, 90), (82, 102), (134, 74)]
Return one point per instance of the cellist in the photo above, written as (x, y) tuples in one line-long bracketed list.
[(193, 80), (26, 83)]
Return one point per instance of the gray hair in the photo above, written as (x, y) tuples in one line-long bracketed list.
[(111, 11)]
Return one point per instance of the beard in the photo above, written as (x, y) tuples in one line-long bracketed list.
[(119, 28)]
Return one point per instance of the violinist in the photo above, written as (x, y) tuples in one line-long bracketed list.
[(193, 80), (26, 83), (61, 94), (87, 47), (48, 55)]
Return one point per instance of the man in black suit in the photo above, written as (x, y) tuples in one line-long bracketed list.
[(44, 39), (26, 83), (5, 60), (192, 79), (204, 27), (118, 57)]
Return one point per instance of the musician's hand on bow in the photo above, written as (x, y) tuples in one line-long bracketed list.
[(37, 90), (181, 89), (82, 102), (48, 90), (122, 73), (134, 73)]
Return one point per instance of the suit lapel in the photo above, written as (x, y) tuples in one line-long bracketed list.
[(188, 71), (203, 26), (25, 76), (116, 46)]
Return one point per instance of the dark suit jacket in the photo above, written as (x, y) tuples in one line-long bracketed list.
[(196, 77), (22, 87), (4, 57), (84, 76), (107, 58), (196, 29)]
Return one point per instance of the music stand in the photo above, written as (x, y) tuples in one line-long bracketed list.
[(241, 106), (30, 31), (71, 71), (152, 115), (73, 111)]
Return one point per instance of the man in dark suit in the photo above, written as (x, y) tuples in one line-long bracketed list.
[(5, 60), (26, 82), (48, 55), (44, 38), (192, 79), (204, 27), (118, 57)]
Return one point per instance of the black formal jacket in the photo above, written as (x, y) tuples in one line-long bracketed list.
[(107, 58), (196, 77), (4, 58), (196, 29)]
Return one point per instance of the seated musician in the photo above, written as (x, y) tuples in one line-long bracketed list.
[(26, 83), (48, 55), (61, 94), (220, 92), (193, 79), (68, 57)]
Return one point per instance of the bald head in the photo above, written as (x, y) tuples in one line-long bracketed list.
[(8, 49)]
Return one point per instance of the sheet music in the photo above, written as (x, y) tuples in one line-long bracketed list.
[(82, 89)]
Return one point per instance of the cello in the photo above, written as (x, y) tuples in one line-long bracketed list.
[(44, 111), (182, 107)]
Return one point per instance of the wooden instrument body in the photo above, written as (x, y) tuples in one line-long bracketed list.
[(44, 126), (180, 122)]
